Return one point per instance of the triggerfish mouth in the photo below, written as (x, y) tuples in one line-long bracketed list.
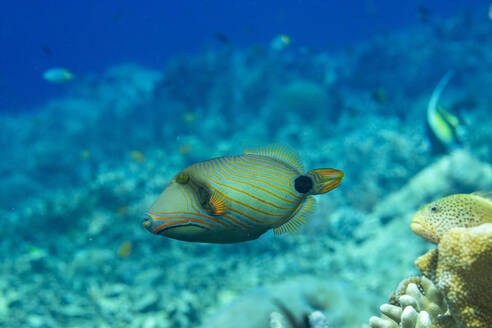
[(238, 198)]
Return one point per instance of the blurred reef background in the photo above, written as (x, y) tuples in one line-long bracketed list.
[(79, 171)]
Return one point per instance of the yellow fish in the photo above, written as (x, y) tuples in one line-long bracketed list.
[(432, 221), (444, 128), (125, 249), (238, 198), (58, 75), (280, 42)]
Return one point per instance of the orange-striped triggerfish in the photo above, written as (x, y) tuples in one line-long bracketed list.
[(238, 198)]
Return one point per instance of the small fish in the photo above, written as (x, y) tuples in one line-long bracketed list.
[(380, 96), (221, 37), (444, 129), (58, 75), (185, 149), (238, 198), (85, 154), (46, 50), (423, 13), (125, 249), (432, 221), (280, 42), (189, 117), (122, 211), (137, 156)]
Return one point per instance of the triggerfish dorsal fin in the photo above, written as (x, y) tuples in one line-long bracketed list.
[(217, 203), (324, 180), (280, 152), (298, 217)]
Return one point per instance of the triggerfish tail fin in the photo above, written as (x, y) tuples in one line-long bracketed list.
[(325, 180), (298, 217)]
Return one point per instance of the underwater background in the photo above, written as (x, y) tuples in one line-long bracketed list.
[(102, 103)]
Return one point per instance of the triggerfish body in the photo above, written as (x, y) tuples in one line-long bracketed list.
[(238, 198), (444, 129), (58, 75), (456, 211)]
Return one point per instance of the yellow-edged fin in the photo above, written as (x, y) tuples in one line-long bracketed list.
[(218, 205), (280, 152), (298, 217)]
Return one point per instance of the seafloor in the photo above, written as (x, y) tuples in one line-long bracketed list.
[(78, 173)]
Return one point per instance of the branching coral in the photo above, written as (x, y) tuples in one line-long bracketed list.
[(461, 267), (416, 303)]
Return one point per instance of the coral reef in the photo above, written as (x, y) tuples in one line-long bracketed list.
[(416, 303), (461, 268)]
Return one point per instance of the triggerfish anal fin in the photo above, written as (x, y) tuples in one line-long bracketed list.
[(217, 204), (298, 217), (325, 180), (280, 152)]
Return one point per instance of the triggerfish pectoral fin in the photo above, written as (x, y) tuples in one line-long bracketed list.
[(325, 180), (217, 204)]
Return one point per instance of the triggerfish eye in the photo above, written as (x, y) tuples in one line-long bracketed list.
[(238, 198), (303, 184)]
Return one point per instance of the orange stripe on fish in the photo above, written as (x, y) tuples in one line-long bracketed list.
[(241, 159), (195, 172), (238, 222), (160, 226), (296, 201), (184, 214), (245, 216), (271, 163), (252, 185)]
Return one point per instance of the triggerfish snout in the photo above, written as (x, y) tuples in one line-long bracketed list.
[(238, 198)]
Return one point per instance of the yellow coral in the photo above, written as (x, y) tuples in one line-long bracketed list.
[(461, 267), (427, 264), (464, 272)]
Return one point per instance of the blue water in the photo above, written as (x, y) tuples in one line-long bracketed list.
[(87, 37), (161, 85)]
